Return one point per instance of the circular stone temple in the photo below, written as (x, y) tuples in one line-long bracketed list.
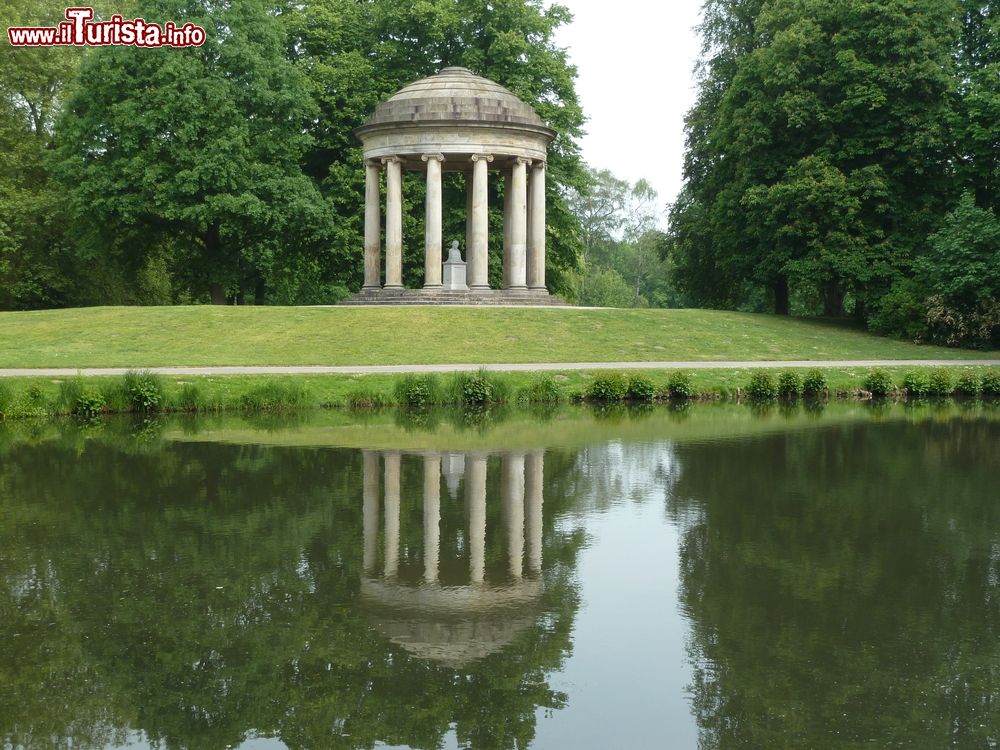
[(456, 121)]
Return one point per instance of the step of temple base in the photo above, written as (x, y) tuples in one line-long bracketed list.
[(497, 297)]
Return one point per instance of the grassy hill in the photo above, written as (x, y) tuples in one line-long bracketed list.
[(162, 336)]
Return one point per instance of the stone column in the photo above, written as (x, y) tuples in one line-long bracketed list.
[(393, 222), (391, 514), (478, 255), (370, 509), (513, 508), (468, 214), (373, 228), (432, 222), (432, 516), (536, 228), (475, 502), (517, 278), (533, 475), (507, 176)]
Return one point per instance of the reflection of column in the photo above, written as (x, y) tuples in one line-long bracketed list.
[(373, 220), (475, 501), (393, 222), (370, 501), (391, 514), (533, 474), (513, 505), (432, 516)]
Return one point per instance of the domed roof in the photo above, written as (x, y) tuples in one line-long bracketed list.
[(454, 95)]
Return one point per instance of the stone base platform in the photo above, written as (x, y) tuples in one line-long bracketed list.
[(485, 297)]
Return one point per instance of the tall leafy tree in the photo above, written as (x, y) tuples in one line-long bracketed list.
[(192, 156), (977, 120), (36, 265), (703, 242), (827, 155)]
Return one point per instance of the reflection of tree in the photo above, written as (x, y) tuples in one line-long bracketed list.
[(200, 592), (844, 586)]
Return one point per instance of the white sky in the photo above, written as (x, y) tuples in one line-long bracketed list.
[(635, 62)]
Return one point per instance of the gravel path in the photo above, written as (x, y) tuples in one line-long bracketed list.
[(537, 367)]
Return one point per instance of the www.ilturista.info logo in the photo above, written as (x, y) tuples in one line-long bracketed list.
[(80, 30)]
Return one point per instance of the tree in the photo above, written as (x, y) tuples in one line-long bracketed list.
[(193, 156), (599, 207), (976, 124), (851, 93), (961, 274), (621, 243), (36, 263)]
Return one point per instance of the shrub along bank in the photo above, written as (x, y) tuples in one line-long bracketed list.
[(144, 392)]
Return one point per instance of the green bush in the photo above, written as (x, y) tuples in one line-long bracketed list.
[(916, 384), (640, 388), (789, 384), (89, 404), (878, 383), (991, 382), (35, 395), (479, 388), (940, 383), (417, 391), (762, 386), (143, 390), (276, 395), (969, 384), (814, 383), (679, 386), (607, 387), (541, 390), (901, 312), (76, 398)]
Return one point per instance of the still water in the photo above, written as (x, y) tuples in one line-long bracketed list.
[(715, 577)]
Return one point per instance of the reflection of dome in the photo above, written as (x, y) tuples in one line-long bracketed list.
[(454, 624), (451, 625)]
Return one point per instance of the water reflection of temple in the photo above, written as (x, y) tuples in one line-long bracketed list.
[(483, 608)]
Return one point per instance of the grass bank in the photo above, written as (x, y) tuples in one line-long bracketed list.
[(139, 392), (205, 336)]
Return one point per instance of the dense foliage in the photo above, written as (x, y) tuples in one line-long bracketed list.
[(827, 155), (620, 263), (229, 172)]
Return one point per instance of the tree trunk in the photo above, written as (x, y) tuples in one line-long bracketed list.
[(213, 252), (860, 309), (260, 292), (218, 293), (833, 299), (781, 296)]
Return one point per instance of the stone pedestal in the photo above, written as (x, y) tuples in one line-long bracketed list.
[(454, 271)]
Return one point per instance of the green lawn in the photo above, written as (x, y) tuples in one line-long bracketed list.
[(162, 336)]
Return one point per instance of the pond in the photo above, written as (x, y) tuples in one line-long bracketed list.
[(713, 577)]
